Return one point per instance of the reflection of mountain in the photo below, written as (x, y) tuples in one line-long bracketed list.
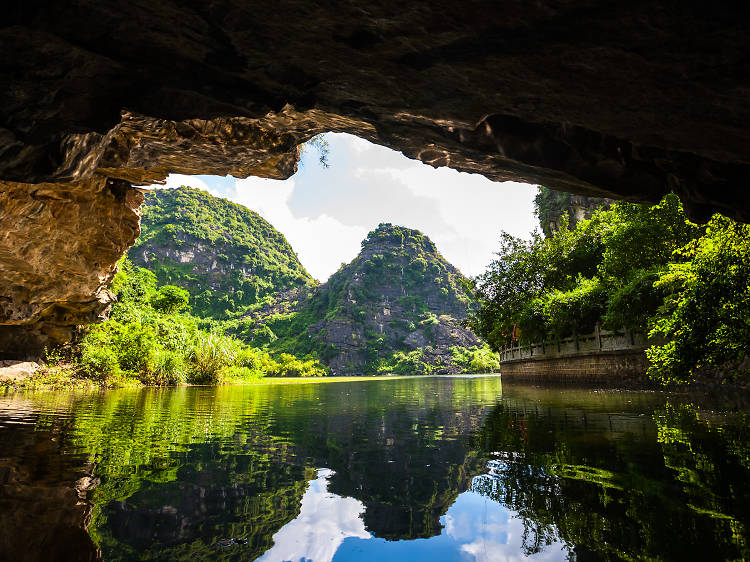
[(405, 460), (602, 475)]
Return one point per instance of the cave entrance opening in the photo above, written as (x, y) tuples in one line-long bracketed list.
[(345, 186)]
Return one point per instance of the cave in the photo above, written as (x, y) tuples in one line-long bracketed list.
[(595, 98)]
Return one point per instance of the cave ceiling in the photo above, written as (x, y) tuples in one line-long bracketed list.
[(599, 98)]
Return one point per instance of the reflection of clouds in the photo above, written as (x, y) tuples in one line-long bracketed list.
[(486, 530), (323, 523), (477, 529)]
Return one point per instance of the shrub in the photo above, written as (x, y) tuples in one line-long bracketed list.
[(169, 368), (289, 366), (99, 363), (210, 355), (136, 347), (170, 299), (477, 359), (705, 318)]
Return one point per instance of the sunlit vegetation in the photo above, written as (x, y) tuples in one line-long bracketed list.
[(228, 257), (645, 268), (152, 338)]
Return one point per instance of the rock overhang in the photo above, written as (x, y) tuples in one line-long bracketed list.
[(579, 95)]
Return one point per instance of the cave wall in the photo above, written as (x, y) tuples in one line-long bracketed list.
[(593, 97)]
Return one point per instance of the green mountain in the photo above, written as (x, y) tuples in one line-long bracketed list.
[(398, 307), (228, 257), (550, 205)]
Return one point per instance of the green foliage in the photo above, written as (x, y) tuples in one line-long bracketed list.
[(148, 339), (169, 368), (633, 266), (170, 299), (99, 363), (560, 313), (640, 237), (705, 318), (477, 359), (631, 305), (212, 354), (234, 257), (289, 366), (406, 363)]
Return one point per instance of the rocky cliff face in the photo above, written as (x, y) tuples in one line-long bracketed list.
[(550, 206), (398, 295), (579, 96), (227, 256), (57, 257)]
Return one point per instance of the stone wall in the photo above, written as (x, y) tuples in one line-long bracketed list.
[(612, 366), (597, 341), (601, 355)]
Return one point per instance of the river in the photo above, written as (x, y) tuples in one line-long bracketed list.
[(424, 468)]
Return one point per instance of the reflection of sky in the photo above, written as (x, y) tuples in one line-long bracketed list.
[(330, 528), (324, 521)]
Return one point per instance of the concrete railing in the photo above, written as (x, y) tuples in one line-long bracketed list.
[(597, 341)]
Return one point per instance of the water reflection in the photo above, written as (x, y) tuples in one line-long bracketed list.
[(324, 522), (475, 528), (435, 468)]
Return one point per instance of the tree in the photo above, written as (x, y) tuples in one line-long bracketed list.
[(169, 299), (705, 319)]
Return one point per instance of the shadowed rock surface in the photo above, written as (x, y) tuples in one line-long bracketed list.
[(577, 95)]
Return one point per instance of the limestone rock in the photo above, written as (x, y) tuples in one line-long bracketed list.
[(578, 95), (58, 248), (16, 370)]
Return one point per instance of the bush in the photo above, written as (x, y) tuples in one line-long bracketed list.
[(170, 299), (411, 363), (477, 359), (289, 366), (210, 355), (99, 363), (169, 369), (705, 318), (136, 347)]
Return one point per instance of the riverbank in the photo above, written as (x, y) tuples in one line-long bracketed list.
[(17, 376)]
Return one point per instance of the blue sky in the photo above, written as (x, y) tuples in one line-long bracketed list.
[(326, 212)]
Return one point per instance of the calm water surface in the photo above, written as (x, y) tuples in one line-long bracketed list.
[(438, 469)]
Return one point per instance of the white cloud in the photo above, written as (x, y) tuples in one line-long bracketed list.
[(462, 213), (326, 212), (322, 243)]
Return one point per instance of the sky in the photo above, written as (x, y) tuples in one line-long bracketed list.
[(325, 212)]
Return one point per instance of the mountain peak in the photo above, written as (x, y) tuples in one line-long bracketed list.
[(387, 233), (399, 305), (227, 256)]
